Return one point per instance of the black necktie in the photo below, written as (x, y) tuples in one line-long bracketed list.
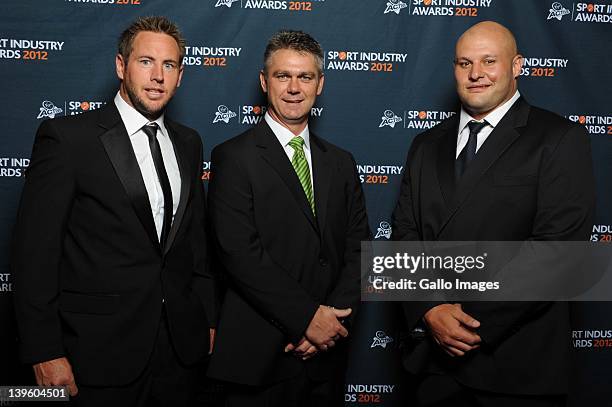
[(469, 151), (151, 132)]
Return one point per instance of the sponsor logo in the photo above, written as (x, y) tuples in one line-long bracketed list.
[(543, 67), (601, 233), (378, 174), (48, 109), (384, 230), (389, 119), (371, 61), (71, 108), (381, 339), (227, 3), (251, 114), (223, 114), (208, 57), (29, 50), (361, 394), (582, 12), (109, 2), (592, 338), (285, 5), (395, 6), (424, 119), (453, 8), (13, 167), (5, 283), (557, 11), (76, 107), (593, 13), (596, 125), (418, 119)]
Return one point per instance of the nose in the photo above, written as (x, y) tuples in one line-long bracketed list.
[(293, 85), (476, 71), (157, 73)]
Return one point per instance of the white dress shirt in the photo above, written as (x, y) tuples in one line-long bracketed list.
[(284, 136), (492, 118), (133, 122)]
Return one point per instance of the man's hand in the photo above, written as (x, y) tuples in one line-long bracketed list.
[(56, 372), (453, 329), (304, 349), (211, 345), (325, 328)]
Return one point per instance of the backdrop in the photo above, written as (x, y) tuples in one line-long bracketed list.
[(389, 76)]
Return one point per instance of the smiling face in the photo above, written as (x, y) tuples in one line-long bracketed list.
[(151, 74), (292, 82), (486, 68)]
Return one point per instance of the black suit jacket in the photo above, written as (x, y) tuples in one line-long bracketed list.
[(90, 274), (281, 260), (531, 180)]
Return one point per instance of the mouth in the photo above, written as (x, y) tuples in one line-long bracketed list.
[(293, 101), (477, 88), (154, 93)]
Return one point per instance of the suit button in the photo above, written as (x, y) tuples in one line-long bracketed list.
[(323, 262)]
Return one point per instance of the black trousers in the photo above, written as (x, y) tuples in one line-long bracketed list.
[(165, 381), (299, 391), (435, 390)]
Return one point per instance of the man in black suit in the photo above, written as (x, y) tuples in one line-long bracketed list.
[(500, 170), (113, 295), (289, 216)]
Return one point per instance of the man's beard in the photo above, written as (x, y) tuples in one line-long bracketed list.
[(140, 106)]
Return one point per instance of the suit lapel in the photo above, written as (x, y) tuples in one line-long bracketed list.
[(273, 153), (181, 151), (121, 154), (502, 137), (321, 171)]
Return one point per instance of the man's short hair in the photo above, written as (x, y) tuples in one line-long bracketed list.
[(156, 24), (297, 41)]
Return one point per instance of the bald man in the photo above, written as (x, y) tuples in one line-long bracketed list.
[(499, 170)]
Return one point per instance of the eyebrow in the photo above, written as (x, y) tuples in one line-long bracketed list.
[(470, 60), (283, 71), (154, 59)]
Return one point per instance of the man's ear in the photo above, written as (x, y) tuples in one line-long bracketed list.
[(181, 69), (517, 65), (320, 86), (262, 81), (119, 66)]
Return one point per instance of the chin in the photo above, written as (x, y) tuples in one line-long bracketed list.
[(293, 117), (474, 109), (150, 112), (474, 105)]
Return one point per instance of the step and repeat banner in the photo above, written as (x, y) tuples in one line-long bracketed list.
[(389, 76)]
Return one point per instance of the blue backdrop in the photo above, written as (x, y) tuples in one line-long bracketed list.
[(388, 65)]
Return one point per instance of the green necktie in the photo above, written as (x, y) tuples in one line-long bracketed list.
[(301, 168)]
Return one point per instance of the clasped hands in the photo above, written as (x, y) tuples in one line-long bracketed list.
[(452, 329), (322, 332)]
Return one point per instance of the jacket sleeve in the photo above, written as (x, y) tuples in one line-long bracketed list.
[(405, 226), (39, 233), (347, 292)]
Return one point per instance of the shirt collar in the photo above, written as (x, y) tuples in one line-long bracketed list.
[(132, 119), (284, 135), (492, 118)]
